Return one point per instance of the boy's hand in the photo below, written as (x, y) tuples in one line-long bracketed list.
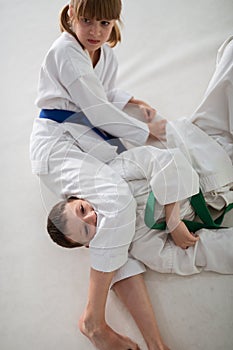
[(182, 237)]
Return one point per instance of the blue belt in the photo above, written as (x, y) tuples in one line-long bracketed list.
[(59, 116)]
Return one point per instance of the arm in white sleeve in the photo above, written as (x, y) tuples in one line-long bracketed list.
[(169, 174), (131, 268), (115, 95), (91, 98), (119, 98), (68, 81)]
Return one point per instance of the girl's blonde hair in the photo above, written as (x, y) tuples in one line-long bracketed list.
[(99, 9)]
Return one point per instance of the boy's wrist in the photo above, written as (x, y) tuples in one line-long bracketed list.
[(172, 224)]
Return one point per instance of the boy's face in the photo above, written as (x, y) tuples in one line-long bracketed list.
[(81, 221)]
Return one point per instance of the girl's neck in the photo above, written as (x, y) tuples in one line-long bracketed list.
[(95, 56)]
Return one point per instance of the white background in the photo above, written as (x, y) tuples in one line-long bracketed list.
[(166, 57)]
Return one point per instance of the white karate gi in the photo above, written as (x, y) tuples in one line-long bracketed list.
[(69, 158), (69, 82)]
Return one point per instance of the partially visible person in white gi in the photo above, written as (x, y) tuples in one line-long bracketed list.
[(214, 115)]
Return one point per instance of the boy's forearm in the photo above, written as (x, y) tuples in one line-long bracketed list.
[(99, 284), (93, 324), (172, 215)]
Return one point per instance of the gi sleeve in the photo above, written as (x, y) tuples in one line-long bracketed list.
[(115, 95), (169, 174), (87, 92), (131, 268)]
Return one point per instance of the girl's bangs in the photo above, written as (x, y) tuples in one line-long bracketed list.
[(99, 9)]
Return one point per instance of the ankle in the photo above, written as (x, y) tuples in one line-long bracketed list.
[(156, 345), (89, 327)]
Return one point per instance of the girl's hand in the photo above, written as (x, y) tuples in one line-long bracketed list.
[(182, 237), (147, 111), (158, 129)]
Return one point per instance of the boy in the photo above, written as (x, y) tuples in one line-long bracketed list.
[(173, 181)]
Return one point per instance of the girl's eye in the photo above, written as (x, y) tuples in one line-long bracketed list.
[(85, 20), (105, 23)]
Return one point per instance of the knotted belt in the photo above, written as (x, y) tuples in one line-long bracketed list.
[(201, 210), (59, 116)]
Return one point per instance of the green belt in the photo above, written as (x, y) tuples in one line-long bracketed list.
[(199, 205)]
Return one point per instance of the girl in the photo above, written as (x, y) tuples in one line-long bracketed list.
[(77, 78), (78, 74)]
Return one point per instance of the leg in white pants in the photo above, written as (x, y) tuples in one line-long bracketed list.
[(213, 252), (215, 113)]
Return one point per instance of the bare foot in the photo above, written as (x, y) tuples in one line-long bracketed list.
[(105, 338)]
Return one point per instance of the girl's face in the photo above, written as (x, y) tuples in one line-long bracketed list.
[(92, 33), (81, 221)]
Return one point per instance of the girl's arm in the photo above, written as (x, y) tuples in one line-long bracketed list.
[(179, 232), (88, 93)]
